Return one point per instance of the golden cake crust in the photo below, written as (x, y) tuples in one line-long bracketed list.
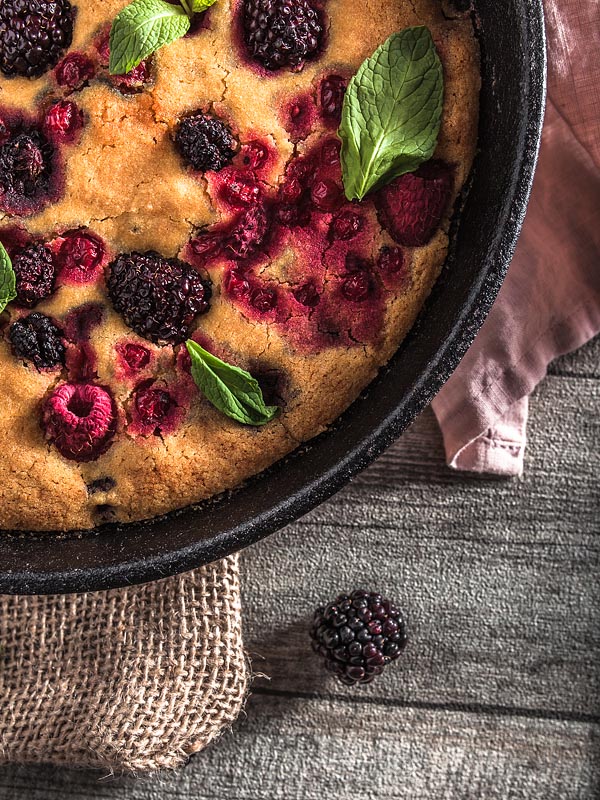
[(124, 180)]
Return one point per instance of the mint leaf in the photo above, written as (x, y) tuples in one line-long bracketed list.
[(140, 29), (8, 285), (391, 112), (232, 390), (198, 6)]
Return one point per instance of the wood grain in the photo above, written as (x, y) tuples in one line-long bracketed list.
[(498, 694)]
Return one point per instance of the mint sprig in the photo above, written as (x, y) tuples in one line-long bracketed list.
[(8, 281), (144, 26), (391, 112), (232, 390)]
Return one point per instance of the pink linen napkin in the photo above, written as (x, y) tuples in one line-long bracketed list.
[(550, 301)]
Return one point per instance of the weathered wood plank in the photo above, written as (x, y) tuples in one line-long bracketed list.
[(300, 749), (500, 580)]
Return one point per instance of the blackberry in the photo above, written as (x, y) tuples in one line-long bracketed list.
[(25, 168), (158, 297), (357, 635), (281, 33), (35, 273), (204, 142), (33, 35), (36, 339)]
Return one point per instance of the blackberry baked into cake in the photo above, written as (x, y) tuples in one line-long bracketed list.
[(217, 224)]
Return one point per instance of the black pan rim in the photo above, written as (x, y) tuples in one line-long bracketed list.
[(468, 320)]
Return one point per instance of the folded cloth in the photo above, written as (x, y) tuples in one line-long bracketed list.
[(125, 680), (550, 301)]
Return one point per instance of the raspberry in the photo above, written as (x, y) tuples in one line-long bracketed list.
[(204, 142), (132, 81), (74, 71), (63, 120), (239, 191), (80, 256), (236, 284), (358, 635), (35, 274), (33, 35), (158, 297), (255, 154), (307, 295), (25, 169), (36, 339), (281, 33), (80, 419), (330, 152), (135, 356), (263, 299), (331, 98), (357, 287), (346, 225), (390, 260), (249, 232), (153, 406), (411, 207)]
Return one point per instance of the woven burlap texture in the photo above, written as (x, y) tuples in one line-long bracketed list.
[(131, 679)]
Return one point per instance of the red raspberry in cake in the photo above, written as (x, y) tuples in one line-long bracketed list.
[(346, 225), (74, 71), (133, 357), (35, 274), (255, 155), (281, 33), (204, 142), (330, 152), (249, 232), (236, 190), (236, 285), (326, 195), (357, 287), (33, 35), (263, 299), (80, 256), (307, 295), (80, 419), (411, 207), (134, 80), (331, 98), (153, 405), (63, 120), (390, 260)]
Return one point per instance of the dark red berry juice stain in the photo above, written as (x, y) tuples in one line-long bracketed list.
[(81, 321), (298, 116), (14, 238), (80, 256), (332, 294)]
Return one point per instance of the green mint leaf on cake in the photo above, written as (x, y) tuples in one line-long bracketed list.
[(198, 6), (391, 112), (232, 390), (140, 29), (8, 286)]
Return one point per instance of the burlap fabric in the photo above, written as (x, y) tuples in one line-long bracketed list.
[(126, 680)]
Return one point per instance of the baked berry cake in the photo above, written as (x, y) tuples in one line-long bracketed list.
[(216, 225)]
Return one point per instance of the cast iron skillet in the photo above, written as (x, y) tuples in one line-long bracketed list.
[(512, 42)]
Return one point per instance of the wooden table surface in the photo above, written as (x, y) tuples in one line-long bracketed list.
[(498, 694)]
